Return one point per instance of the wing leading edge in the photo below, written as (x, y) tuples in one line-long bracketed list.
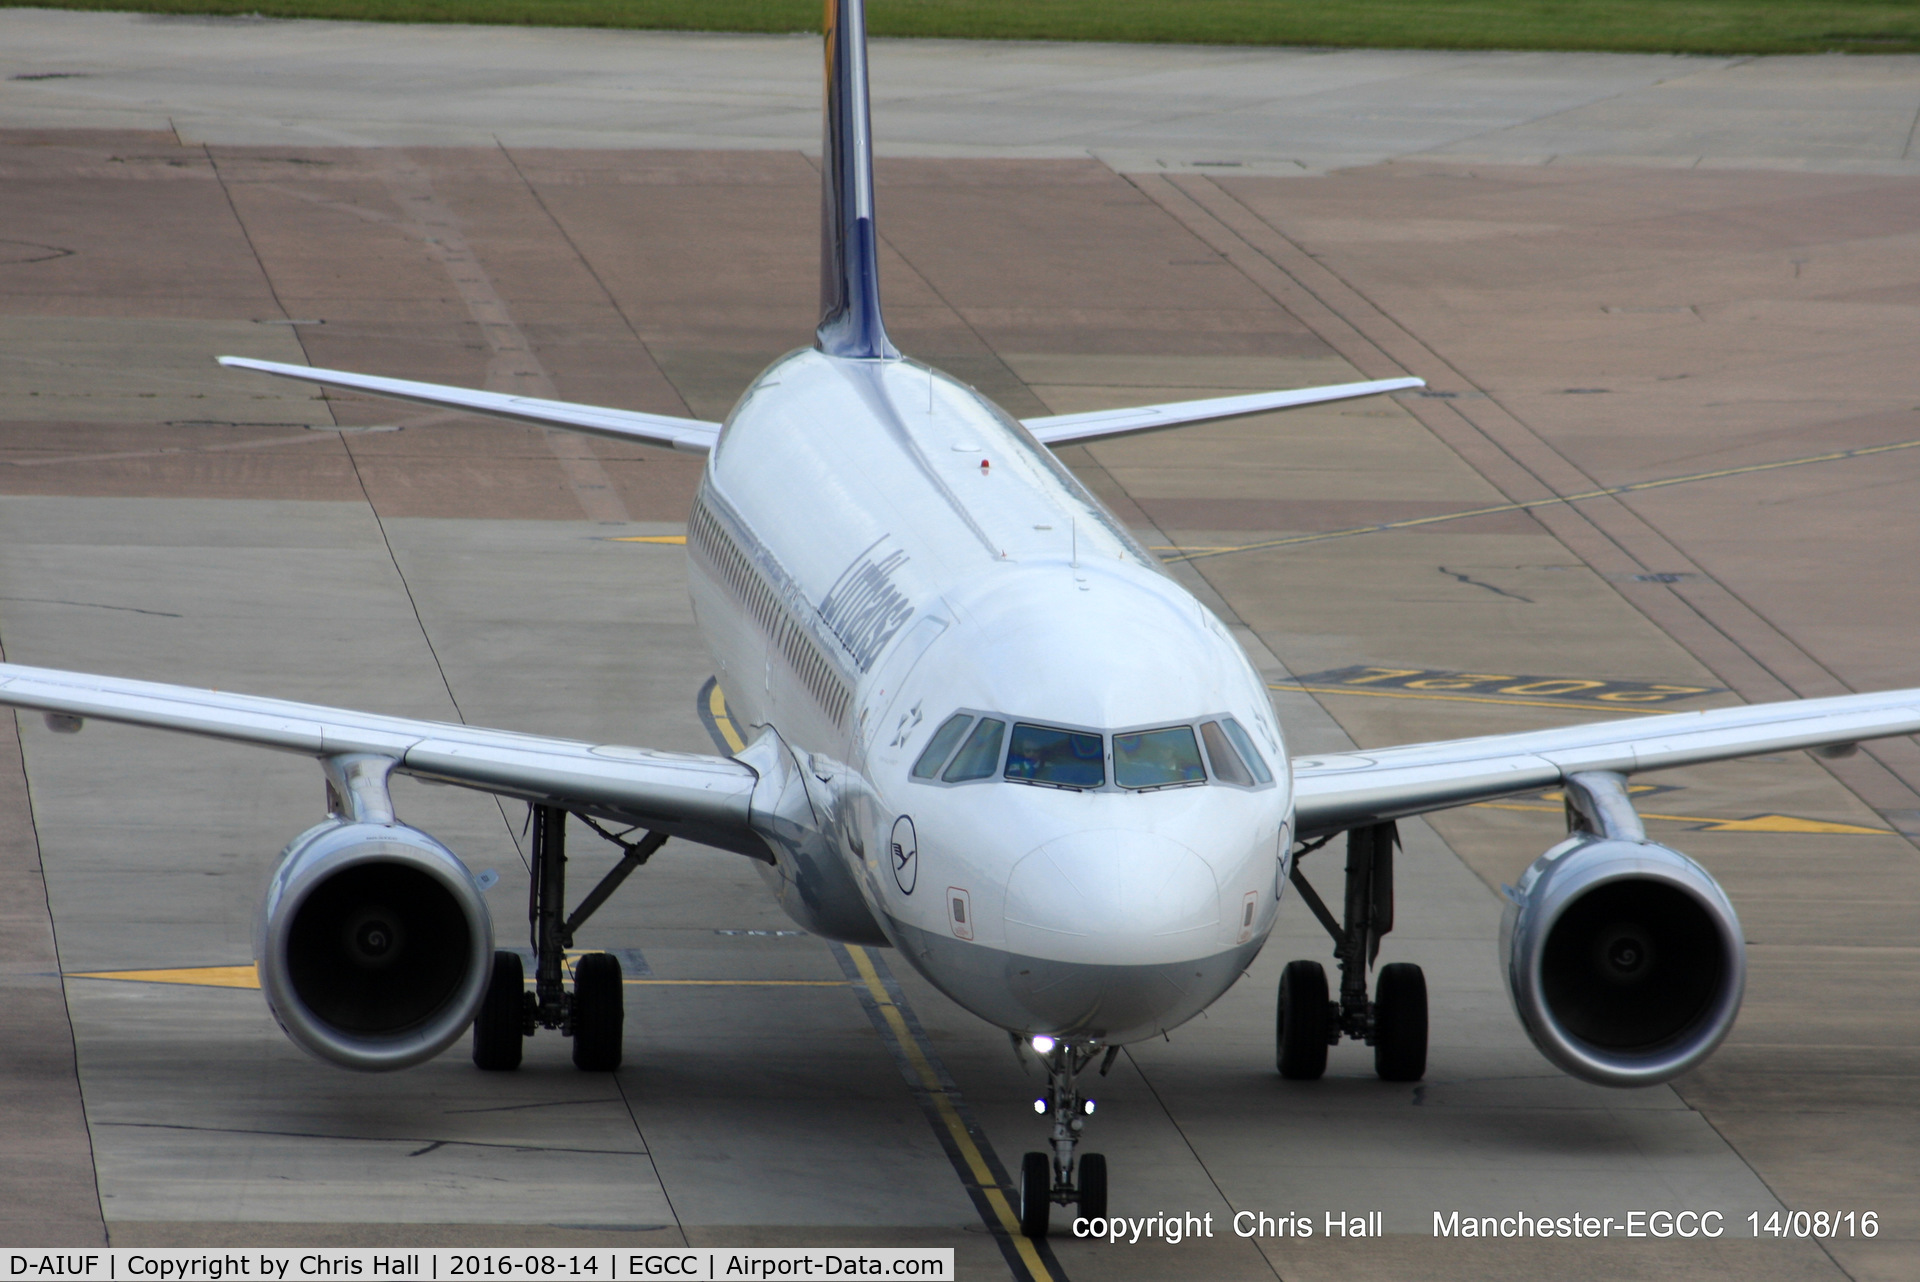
[(1345, 790), (700, 798), (687, 435), (697, 436), (1062, 429)]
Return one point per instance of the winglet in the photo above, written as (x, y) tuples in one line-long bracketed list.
[(850, 323)]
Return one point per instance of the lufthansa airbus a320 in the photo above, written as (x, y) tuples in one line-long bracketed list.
[(987, 730)]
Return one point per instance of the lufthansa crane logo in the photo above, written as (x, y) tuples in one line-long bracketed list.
[(903, 850)]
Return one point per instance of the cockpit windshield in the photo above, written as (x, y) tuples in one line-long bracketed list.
[(970, 747), (1157, 758), (1057, 758)]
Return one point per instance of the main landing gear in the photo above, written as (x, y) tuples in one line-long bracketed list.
[(1394, 1023), (1046, 1178), (594, 1013)]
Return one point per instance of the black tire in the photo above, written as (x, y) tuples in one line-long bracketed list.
[(1400, 1023), (500, 1027), (599, 1013), (1036, 1194), (1093, 1186), (1300, 1024)]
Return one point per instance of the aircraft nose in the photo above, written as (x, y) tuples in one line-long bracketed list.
[(1113, 897)]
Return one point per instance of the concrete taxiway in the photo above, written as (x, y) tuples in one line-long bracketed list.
[(1613, 272)]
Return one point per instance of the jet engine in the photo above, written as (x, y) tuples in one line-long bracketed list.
[(1623, 957), (374, 946)]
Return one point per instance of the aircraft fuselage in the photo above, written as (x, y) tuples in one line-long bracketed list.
[(878, 550)]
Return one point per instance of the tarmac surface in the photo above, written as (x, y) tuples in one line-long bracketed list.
[(1611, 271)]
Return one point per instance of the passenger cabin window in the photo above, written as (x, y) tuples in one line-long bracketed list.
[(1248, 753), (941, 745), (1056, 758), (1168, 758), (980, 756)]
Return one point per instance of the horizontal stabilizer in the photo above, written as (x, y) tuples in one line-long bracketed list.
[(688, 435), (1063, 428)]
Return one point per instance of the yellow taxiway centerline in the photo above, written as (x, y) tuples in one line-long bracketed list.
[(949, 1116)]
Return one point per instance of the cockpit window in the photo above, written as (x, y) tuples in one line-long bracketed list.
[(980, 755), (941, 745), (1250, 754), (1056, 758), (1227, 766), (1157, 758)]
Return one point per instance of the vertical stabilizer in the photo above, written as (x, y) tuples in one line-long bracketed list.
[(850, 323)]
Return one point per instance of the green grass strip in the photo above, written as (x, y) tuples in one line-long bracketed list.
[(1628, 26)]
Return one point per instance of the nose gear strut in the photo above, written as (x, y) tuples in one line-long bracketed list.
[(1047, 1178)]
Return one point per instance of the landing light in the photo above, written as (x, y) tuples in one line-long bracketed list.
[(1089, 1106), (1040, 1106), (1043, 1045)]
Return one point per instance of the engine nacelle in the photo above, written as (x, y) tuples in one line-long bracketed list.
[(1624, 959), (374, 946)]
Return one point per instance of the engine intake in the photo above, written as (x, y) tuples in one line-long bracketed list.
[(374, 945), (1624, 958)]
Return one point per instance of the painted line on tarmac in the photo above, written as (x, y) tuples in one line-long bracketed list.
[(1569, 705), (967, 1147), (1752, 823), (247, 977), (965, 1144), (1201, 554)]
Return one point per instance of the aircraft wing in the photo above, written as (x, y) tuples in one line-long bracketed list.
[(1344, 790), (687, 435), (1060, 429), (701, 798)]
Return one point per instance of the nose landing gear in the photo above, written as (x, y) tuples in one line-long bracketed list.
[(1047, 1178)]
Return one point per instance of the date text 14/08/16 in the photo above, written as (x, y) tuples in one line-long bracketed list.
[(1659, 1224)]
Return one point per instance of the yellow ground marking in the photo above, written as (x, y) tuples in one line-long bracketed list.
[(1753, 823), (930, 1080), (245, 977), (199, 976), (717, 705), (679, 539), (949, 1116), (1197, 554), (744, 983), (1573, 704)]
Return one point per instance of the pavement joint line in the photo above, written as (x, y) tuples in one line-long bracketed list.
[(1528, 505), (1721, 630), (973, 1159), (383, 1139), (513, 365)]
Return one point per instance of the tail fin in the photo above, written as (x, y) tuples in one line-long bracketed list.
[(850, 323)]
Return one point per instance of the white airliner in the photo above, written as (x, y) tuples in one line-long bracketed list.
[(988, 731)]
